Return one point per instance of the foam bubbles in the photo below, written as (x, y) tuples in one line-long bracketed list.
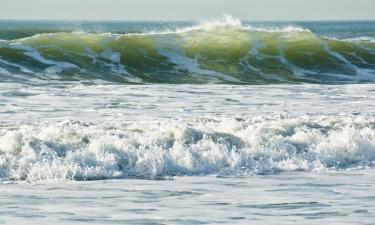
[(196, 146)]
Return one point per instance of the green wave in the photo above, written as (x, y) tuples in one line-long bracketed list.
[(219, 55)]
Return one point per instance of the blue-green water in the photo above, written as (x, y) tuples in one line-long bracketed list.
[(213, 51)]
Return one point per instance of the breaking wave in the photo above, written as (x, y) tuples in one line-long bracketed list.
[(71, 150)]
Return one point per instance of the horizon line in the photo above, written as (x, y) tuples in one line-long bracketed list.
[(185, 20)]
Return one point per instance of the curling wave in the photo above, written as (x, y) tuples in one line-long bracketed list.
[(198, 146), (218, 51)]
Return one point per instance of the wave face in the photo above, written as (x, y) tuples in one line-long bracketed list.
[(218, 51), (149, 149)]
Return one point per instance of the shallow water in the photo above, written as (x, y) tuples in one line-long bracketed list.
[(22, 103), (291, 198)]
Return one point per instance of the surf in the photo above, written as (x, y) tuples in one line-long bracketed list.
[(73, 150)]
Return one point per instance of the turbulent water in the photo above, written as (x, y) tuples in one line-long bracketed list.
[(218, 51), (72, 150), (80, 132), (71, 107)]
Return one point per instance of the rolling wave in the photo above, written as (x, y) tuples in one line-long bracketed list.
[(218, 51)]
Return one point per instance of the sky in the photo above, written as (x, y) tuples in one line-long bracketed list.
[(187, 9)]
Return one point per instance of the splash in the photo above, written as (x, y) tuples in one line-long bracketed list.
[(196, 146)]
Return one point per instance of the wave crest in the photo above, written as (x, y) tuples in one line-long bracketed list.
[(213, 51), (227, 21)]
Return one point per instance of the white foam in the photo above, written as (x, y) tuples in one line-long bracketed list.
[(275, 29), (369, 39), (358, 39), (74, 150), (227, 21)]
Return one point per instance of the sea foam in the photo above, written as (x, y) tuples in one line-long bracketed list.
[(196, 146)]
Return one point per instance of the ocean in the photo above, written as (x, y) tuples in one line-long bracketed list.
[(212, 122)]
